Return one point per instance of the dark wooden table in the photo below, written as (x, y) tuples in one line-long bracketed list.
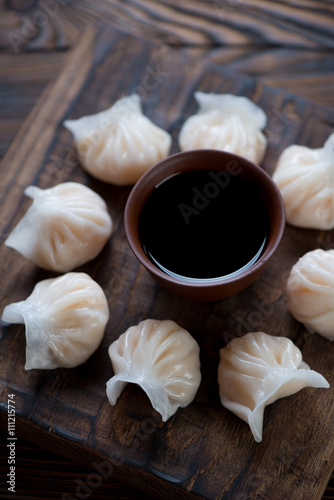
[(289, 45)]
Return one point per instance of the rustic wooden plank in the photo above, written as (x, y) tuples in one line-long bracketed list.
[(43, 475), (35, 26), (23, 80), (251, 65), (305, 73), (39, 467), (202, 29), (52, 25), (72, 78), (203, 450), (77, 478)]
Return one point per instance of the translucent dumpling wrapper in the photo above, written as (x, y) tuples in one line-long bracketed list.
[(162, 358), (119, 144), (257, 369), (65, 320), (305, 178), (66, 226), (226, 122), (310, 292)]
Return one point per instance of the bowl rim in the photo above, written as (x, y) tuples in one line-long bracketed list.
[(157, 174)]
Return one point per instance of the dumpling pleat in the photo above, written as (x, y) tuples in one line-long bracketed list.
[(65, 320), (246, 388), (310, 291), (162, 358)]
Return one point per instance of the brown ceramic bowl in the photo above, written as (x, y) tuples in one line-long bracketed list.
[(221, 287)]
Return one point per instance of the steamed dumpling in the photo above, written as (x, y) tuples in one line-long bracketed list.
[(227, 122), (65, 320), (310, 292), (66, 226), (119, 144), (162, 358), (257, 369), (305, 178)]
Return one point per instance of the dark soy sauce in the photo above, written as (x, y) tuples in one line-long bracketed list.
[(204, 225)]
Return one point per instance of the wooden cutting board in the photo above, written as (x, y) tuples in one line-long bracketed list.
[(203, 450)]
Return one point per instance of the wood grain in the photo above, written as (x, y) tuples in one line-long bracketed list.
[(207, 24), (308, 73), (203, 450), (42, 475), (284, 44)]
